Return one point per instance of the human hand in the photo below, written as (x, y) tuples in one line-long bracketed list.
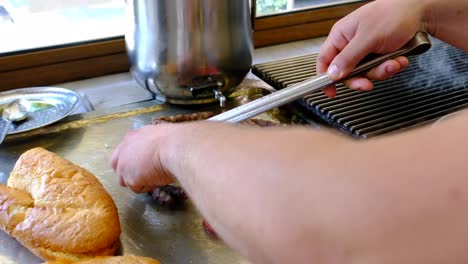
[(378, 27), (137, 160)]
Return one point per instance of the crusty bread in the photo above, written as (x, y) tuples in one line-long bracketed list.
[(58, 210), (111, 260)]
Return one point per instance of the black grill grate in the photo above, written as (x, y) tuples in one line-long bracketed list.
[(435, 84)]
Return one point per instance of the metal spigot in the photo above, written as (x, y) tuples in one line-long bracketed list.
[(213, 86), (220, 96)]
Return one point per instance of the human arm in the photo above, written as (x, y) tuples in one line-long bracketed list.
[(302, 196), (384, 26)]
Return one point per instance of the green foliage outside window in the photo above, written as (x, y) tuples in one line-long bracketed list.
[(271, 6)]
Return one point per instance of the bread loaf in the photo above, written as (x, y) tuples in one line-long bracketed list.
[(57, 210), (111, 260)]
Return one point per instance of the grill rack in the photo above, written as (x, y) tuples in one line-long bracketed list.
[(435, 85)]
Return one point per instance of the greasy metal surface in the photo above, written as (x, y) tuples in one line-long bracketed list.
[(49, 105), (170, 236)]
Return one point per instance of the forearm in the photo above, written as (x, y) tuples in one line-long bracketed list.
[(322, 197), (414, 197), (256, 186), (447, 20)]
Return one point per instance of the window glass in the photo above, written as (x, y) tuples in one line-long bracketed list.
[(32, 24), (268, 7)]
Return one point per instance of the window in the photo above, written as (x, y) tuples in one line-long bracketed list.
[(33, 24), (269, 7), (46, 42)]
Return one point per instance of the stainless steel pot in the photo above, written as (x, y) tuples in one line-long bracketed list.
[(189, 51)]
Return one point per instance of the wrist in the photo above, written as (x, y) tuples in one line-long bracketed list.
[(427, 17), (173, 152), (167, 153)]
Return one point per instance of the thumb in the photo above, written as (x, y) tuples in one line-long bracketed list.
[(349, 57)]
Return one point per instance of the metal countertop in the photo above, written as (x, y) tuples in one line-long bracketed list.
[(147, 230)]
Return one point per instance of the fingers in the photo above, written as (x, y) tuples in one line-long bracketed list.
[(332, 46), (114, 162), (114, 158), (403, 61), (140, 189), (359, 83), (126, 179), (326, 54), (382, 72), (330, 91), (328, 51), (349, 57), (137, 171), (122, 181), (137, 185), (388, 69), (341, 63)]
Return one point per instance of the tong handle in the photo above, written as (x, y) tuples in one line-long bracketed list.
[(419, 44)]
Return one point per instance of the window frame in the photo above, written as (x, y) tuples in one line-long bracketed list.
[(66, 63)]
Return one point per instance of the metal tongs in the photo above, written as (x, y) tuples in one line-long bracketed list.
[(419, 44)]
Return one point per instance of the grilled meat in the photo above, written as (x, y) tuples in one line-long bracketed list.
[(169, 196), (182, 118)]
